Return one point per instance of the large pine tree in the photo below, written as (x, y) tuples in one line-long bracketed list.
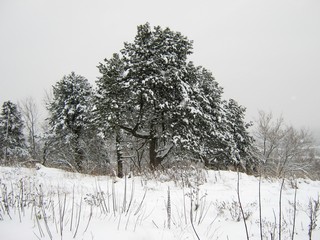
[(152, 92), (71, 113), (141, 91), (12, 142)]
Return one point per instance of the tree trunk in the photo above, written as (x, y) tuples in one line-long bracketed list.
[(79, 158), (119, 155), (206, 161), (79, 155), (6, 139), (154, 160)]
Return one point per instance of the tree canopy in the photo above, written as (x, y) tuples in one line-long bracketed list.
[(71, 112), (151, 91), (12, 142)]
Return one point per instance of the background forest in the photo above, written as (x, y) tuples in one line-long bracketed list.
[(151, 108)]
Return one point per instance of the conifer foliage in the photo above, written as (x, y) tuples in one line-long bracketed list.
[(152, 92), (12, 142), (71, 113), (239, 129), (151, 102), (141, 91)]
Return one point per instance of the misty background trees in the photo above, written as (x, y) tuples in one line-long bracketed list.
[(154, 108), (284, 149)]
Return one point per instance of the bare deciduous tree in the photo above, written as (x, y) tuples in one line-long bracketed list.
[(30, 116), (283, 148), (268, 134), (295, 151)]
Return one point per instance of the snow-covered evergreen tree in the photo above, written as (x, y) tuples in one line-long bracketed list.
[(239, 129), (152, 92), (71, 113), (205, 121), (12, 142), (145, 87), (112, 71)]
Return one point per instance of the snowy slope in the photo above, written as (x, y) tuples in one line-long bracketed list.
[(54, 204)]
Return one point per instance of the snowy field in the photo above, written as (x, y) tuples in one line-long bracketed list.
[(49, 203)]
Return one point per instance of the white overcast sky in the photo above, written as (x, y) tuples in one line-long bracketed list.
[(264, 53)]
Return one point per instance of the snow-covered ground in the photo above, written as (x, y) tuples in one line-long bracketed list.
[(49, 203)]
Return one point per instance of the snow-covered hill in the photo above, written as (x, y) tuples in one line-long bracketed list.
[(49, 203)]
